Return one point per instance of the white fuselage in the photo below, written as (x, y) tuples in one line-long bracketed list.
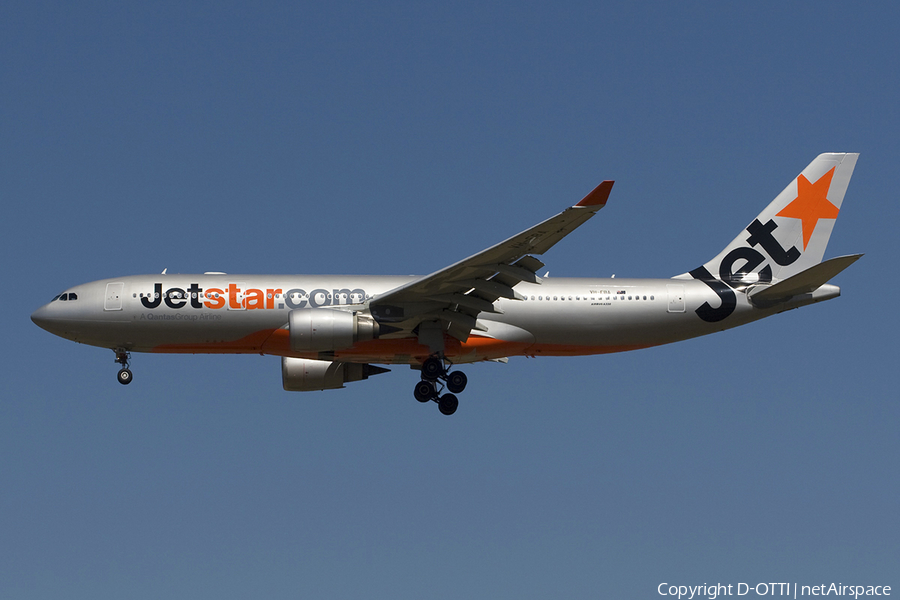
[(248, 314)]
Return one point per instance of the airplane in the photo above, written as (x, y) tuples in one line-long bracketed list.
[(330, 330)]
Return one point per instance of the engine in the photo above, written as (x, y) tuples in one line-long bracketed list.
[(326, 329), (304, 375)]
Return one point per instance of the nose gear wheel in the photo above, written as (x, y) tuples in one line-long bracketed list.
[(124, 375)]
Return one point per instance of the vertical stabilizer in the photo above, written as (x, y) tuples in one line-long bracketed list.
[(791, 234)]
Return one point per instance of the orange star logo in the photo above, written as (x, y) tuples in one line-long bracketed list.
[(811, 204)]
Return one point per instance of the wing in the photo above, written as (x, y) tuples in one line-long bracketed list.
[(455, 295)]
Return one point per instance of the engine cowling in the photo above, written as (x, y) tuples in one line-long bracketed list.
[(305, 375), (326, 329)]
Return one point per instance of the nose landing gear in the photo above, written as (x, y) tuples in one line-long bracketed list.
[(431, 386), (124, 375)]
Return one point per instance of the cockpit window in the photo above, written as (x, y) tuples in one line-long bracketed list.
[(56, 297), (73, 296), (64, 297)]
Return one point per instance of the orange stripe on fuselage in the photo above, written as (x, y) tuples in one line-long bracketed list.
[(251, 344), (277, 342)]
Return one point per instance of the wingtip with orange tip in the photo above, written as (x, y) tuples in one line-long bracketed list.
[(598, 196)]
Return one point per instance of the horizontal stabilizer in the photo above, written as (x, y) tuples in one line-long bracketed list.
[(804, 282)]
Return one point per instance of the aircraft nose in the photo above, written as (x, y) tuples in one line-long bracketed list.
[(41, 317)]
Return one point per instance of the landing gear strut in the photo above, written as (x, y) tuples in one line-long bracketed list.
[(124, 375), (431, 386)]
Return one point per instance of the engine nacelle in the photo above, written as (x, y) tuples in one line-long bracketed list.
[(326, 329), (305, 375)]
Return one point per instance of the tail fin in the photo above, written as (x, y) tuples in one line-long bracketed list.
[(791, 234)]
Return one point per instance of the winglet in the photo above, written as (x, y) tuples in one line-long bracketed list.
[(598, 196)]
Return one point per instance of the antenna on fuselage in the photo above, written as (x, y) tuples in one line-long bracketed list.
[(164, 270)]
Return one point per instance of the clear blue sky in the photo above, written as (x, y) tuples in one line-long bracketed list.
[(397, 138)]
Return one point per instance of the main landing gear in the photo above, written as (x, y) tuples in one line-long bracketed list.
[(124, 375), (431, 386)]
